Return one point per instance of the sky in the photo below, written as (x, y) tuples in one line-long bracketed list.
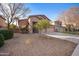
[(51, 10)]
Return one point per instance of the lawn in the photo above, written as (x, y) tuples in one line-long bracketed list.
[(36, 45)]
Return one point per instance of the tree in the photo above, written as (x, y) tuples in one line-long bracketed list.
[(70, 18), (42, 24), (12, 10)]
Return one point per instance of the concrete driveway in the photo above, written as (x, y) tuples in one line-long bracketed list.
[(69, 37)]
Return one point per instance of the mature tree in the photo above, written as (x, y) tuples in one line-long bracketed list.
[(10, 11), (70, 18), (42, 24)]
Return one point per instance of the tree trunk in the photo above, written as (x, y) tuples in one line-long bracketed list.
[(45, 30), (8, 27)]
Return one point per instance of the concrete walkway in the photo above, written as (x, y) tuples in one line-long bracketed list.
[(69, 37)]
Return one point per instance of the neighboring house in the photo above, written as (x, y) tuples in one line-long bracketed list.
[(58, 26), (2, 22)]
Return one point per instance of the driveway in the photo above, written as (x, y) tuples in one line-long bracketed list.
[(69, 37)]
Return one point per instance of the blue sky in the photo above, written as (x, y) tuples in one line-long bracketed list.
[(51, 10)]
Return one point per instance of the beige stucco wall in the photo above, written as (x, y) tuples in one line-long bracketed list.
[(31, 20)]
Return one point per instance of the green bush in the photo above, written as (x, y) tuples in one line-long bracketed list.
[(8, 34), (1, 40)]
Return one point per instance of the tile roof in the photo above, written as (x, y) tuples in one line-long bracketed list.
[(40, 16)]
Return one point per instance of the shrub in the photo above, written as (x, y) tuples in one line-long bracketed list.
[(1, 40), (8, 34)]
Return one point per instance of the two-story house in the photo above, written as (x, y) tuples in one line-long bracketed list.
[(30, 21)]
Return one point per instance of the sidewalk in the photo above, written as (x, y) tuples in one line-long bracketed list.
[(69, 37), (76, 51)]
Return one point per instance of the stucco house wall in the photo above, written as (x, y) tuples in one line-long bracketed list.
[(2, 22), (23, 23)]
